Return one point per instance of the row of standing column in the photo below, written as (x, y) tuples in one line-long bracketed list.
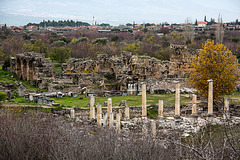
[(110, 115), (177, 102), (108, 118)]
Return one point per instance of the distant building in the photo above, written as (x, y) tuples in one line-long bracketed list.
[(202, 24), (94, 27), (17, 29), (152, 28), (31, 28), (51, 28), (104, 30)]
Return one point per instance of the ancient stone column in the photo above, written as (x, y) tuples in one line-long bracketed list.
[(92, 109), (153, 126), (127, 115), (28, 75), (109, 106), (144, 100), (177, 100), (120, 112), (131, 89), (99, 114), (22, 66), (118, 121), (105, 118), (144, 129), (160, 108), (194, 104), (111, 119), (226, 104), (226, 113), (210, 97), (72, 113)]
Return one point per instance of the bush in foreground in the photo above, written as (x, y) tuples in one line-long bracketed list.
[(39, 135)]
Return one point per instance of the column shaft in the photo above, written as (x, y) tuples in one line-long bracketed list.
[(144, 101), (210, 97), (177, 100)]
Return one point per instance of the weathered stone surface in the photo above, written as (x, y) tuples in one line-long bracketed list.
[(31, 66), (123, 103), (180, 61), (21, 89), (56, 104), (108, 75)]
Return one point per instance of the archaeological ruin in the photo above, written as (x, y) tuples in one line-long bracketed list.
[(31, 66), (116, 75)]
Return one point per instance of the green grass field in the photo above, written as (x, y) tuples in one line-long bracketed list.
[(133, 101)]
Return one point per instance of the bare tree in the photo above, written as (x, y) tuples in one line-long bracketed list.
[(189, 31), (220, 30)]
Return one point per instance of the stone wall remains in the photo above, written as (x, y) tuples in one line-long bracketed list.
[(120, 73)]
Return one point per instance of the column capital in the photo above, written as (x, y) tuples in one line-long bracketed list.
[(210, 80)]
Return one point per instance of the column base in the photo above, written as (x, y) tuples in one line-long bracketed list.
[(194, 115), (160, 117), (226, 115), (127, 119), (177, 117), (209, 117), (145, 117)]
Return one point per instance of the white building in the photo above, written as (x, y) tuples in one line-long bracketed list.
[(202, 24)]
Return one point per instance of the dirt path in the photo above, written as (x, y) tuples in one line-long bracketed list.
[(23, 105)]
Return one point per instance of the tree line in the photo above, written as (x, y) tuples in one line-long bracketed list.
[(88, 43), (60, 23)]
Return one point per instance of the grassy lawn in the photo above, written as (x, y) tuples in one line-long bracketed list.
[(133, 101), (22, 101)]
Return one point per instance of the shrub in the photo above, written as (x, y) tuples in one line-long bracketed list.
[(59, 43), (6, 63), (60, 54), (3, 96), (100, 41)]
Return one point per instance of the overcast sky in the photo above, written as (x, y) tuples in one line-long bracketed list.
[(20, 12)]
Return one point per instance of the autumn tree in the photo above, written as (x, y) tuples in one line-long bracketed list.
[(214, 62)]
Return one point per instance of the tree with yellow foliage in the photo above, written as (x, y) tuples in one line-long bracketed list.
[(214, 62)]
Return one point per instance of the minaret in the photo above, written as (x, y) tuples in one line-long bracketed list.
[(134, 25), (93, 23)]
